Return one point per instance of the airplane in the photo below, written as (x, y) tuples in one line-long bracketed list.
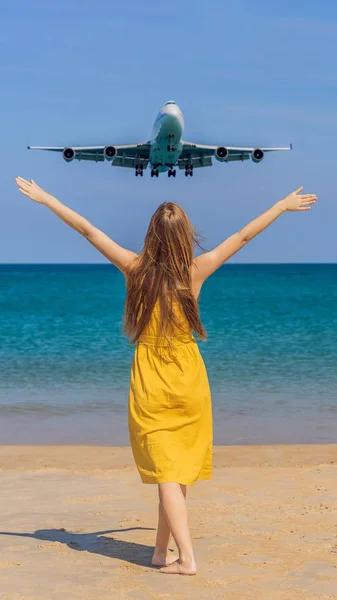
[(164, 151)]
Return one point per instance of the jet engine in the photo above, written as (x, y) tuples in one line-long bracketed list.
[(221, 154), (109, 152), (68, 154), (257, 155)]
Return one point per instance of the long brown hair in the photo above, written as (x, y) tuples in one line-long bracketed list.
[(162, 272)]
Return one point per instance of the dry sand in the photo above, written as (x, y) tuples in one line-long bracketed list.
[(77, 523)]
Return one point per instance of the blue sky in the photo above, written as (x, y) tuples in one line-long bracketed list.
[(260, 73)]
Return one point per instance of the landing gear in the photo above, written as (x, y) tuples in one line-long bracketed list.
[(139, 170), (154, 173), (189, 171), (171, 172)]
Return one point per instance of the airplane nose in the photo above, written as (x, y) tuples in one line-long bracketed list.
[(170, 107), (172, 124), (169, 122)]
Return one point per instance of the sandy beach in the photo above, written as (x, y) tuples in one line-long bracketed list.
[(78, 524)]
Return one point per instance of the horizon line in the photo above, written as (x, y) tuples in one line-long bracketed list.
[(109, 264)]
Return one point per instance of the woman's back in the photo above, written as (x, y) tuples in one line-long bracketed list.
[(153, 328)]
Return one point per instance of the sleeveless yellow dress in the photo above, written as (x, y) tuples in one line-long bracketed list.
[(170, 412)]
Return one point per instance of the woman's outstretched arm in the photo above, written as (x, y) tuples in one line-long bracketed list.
[(208, 262), (119, 256)]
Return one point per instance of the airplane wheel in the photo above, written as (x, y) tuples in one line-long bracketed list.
[(169, 173), (186, 173), (141, 173), (174, 173), (136, 173), (152, 173), (157, 173)]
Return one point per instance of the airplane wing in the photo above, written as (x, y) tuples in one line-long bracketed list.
[(200, 155), (128, 155)]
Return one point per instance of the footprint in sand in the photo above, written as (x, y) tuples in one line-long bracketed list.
[(56, 545), (7, 564), (128, 521), (90, 499)]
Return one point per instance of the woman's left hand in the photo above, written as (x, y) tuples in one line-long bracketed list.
[(297, 201)]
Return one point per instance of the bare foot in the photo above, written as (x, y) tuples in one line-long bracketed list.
[(180, 568), (162, 560)]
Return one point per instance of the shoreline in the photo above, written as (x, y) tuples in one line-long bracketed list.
[(232, 426), (102, 457)]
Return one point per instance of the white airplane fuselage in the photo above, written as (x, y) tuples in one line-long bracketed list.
[(166, 144)]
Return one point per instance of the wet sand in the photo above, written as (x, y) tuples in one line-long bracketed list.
[(77, 523)]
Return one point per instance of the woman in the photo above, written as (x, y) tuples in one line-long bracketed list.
[(170, 417)]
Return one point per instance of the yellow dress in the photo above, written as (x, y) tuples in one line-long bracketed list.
[(170, 412)]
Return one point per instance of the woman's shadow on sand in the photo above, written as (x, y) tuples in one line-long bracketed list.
[(97, 542)]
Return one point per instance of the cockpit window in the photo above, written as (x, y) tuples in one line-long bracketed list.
[(170, 102)]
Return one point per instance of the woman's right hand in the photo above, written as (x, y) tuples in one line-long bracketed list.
[(33, 191), (296, 201)]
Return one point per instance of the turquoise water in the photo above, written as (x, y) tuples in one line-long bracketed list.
[(271, 353)]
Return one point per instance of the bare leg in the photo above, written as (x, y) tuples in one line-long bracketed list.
[(173, 502), (161, 556), (183, 489)]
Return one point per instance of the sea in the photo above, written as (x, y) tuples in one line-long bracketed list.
[(271, 354)]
